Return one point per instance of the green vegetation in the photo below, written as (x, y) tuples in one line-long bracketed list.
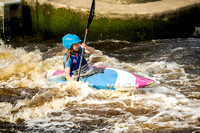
[(56, 22)]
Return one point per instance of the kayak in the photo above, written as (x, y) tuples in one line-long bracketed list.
[(110, 78)]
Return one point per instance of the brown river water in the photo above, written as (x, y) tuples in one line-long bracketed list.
[(30, 103)]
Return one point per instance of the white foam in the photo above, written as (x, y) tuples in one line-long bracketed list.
[(162, 104)]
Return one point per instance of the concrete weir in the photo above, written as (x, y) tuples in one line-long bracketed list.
[(132, 20), (10, 16)]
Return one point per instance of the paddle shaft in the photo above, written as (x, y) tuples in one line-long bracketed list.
[(86, 31), (82, 53)]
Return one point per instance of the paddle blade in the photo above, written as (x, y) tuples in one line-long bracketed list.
[(91, 14)]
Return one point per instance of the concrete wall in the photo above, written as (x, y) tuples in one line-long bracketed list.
[(128, 1), (53, 21), (10, 16)]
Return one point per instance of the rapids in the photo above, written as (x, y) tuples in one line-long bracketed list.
[(30, 103)]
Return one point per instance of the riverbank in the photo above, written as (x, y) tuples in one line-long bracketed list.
[(127, 11), (132, 22)]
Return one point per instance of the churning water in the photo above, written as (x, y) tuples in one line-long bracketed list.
[(31, 103)]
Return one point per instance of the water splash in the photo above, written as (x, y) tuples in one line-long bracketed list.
[(171, 103)]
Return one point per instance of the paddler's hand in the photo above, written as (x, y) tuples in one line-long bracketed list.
[(84, 46), (88, 49), (67, 74)]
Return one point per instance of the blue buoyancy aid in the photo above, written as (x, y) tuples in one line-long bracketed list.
[(75, 61)]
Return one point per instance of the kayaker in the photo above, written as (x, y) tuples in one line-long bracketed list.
[(72, 56)]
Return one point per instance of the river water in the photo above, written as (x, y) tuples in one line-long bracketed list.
[(31, 103)]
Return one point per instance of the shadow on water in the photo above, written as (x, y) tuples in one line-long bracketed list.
[(10, 95), (182, 51), (6, 127)]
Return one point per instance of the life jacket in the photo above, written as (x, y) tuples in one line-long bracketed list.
[(75, 61)]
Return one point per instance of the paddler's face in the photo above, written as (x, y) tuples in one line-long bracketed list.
[(75, 46)]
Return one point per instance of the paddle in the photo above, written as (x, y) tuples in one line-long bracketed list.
[(86, 31)]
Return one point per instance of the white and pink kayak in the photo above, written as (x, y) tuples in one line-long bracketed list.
[(110, 78)]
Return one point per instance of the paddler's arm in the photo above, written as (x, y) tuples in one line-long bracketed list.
[(67, 74), (88, 49)]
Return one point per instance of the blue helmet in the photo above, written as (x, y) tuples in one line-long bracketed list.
[(69, 39)]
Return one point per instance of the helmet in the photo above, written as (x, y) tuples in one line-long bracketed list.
[(69, 39)]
